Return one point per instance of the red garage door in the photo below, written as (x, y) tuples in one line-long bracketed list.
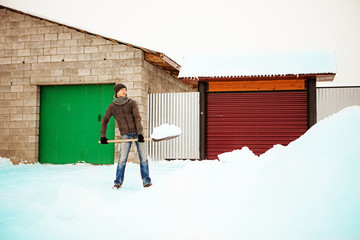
[(257, 120)]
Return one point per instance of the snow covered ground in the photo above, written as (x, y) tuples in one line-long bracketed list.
[(307, 190)]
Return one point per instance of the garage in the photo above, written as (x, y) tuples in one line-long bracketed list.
[(70, 122), (255, 100)]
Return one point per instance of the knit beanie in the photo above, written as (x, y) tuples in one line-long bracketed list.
[(118, 86)]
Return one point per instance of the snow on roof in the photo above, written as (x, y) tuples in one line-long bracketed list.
[(257, 64)]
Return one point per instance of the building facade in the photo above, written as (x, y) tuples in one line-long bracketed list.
[(36, 52)]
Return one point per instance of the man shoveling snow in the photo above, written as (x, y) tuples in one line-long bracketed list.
[(127, 116)]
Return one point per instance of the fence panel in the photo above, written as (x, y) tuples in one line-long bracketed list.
[(182, 110), (332, 99)]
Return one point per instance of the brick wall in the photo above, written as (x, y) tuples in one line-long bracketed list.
[(35, 52)]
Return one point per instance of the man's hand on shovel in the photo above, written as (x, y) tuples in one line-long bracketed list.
[(103, 140), (141, 138)]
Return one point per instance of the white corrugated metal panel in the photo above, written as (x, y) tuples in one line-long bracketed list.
[(332, 99), (182, 110)]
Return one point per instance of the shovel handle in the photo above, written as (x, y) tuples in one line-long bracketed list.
[(126, 140), (145, 139)]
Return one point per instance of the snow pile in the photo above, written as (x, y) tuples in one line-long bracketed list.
[(165, 131), (307, 190), (5, 162)]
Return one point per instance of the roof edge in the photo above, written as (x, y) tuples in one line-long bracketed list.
[(323, 77)]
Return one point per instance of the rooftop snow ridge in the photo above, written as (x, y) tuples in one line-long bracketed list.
[(257, 64)]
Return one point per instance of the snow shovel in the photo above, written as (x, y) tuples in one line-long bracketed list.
[(161, 133), (145, 139)]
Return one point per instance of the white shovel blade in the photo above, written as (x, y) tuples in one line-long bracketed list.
[(165, 132)]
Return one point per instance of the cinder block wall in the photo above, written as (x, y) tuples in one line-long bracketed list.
[(35, 52)]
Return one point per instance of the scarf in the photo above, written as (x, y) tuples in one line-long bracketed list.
[(120, 101)]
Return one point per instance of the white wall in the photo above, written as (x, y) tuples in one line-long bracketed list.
[(182, 110), (331, 100)]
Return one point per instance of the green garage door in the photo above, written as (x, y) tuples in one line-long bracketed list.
[(70, 122)]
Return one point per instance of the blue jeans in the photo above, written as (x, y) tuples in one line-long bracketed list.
[(124, 152)]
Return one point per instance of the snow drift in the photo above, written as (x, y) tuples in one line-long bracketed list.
[(306, 190)]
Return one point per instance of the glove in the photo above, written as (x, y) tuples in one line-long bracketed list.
[(104, 140), (140, 138)]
